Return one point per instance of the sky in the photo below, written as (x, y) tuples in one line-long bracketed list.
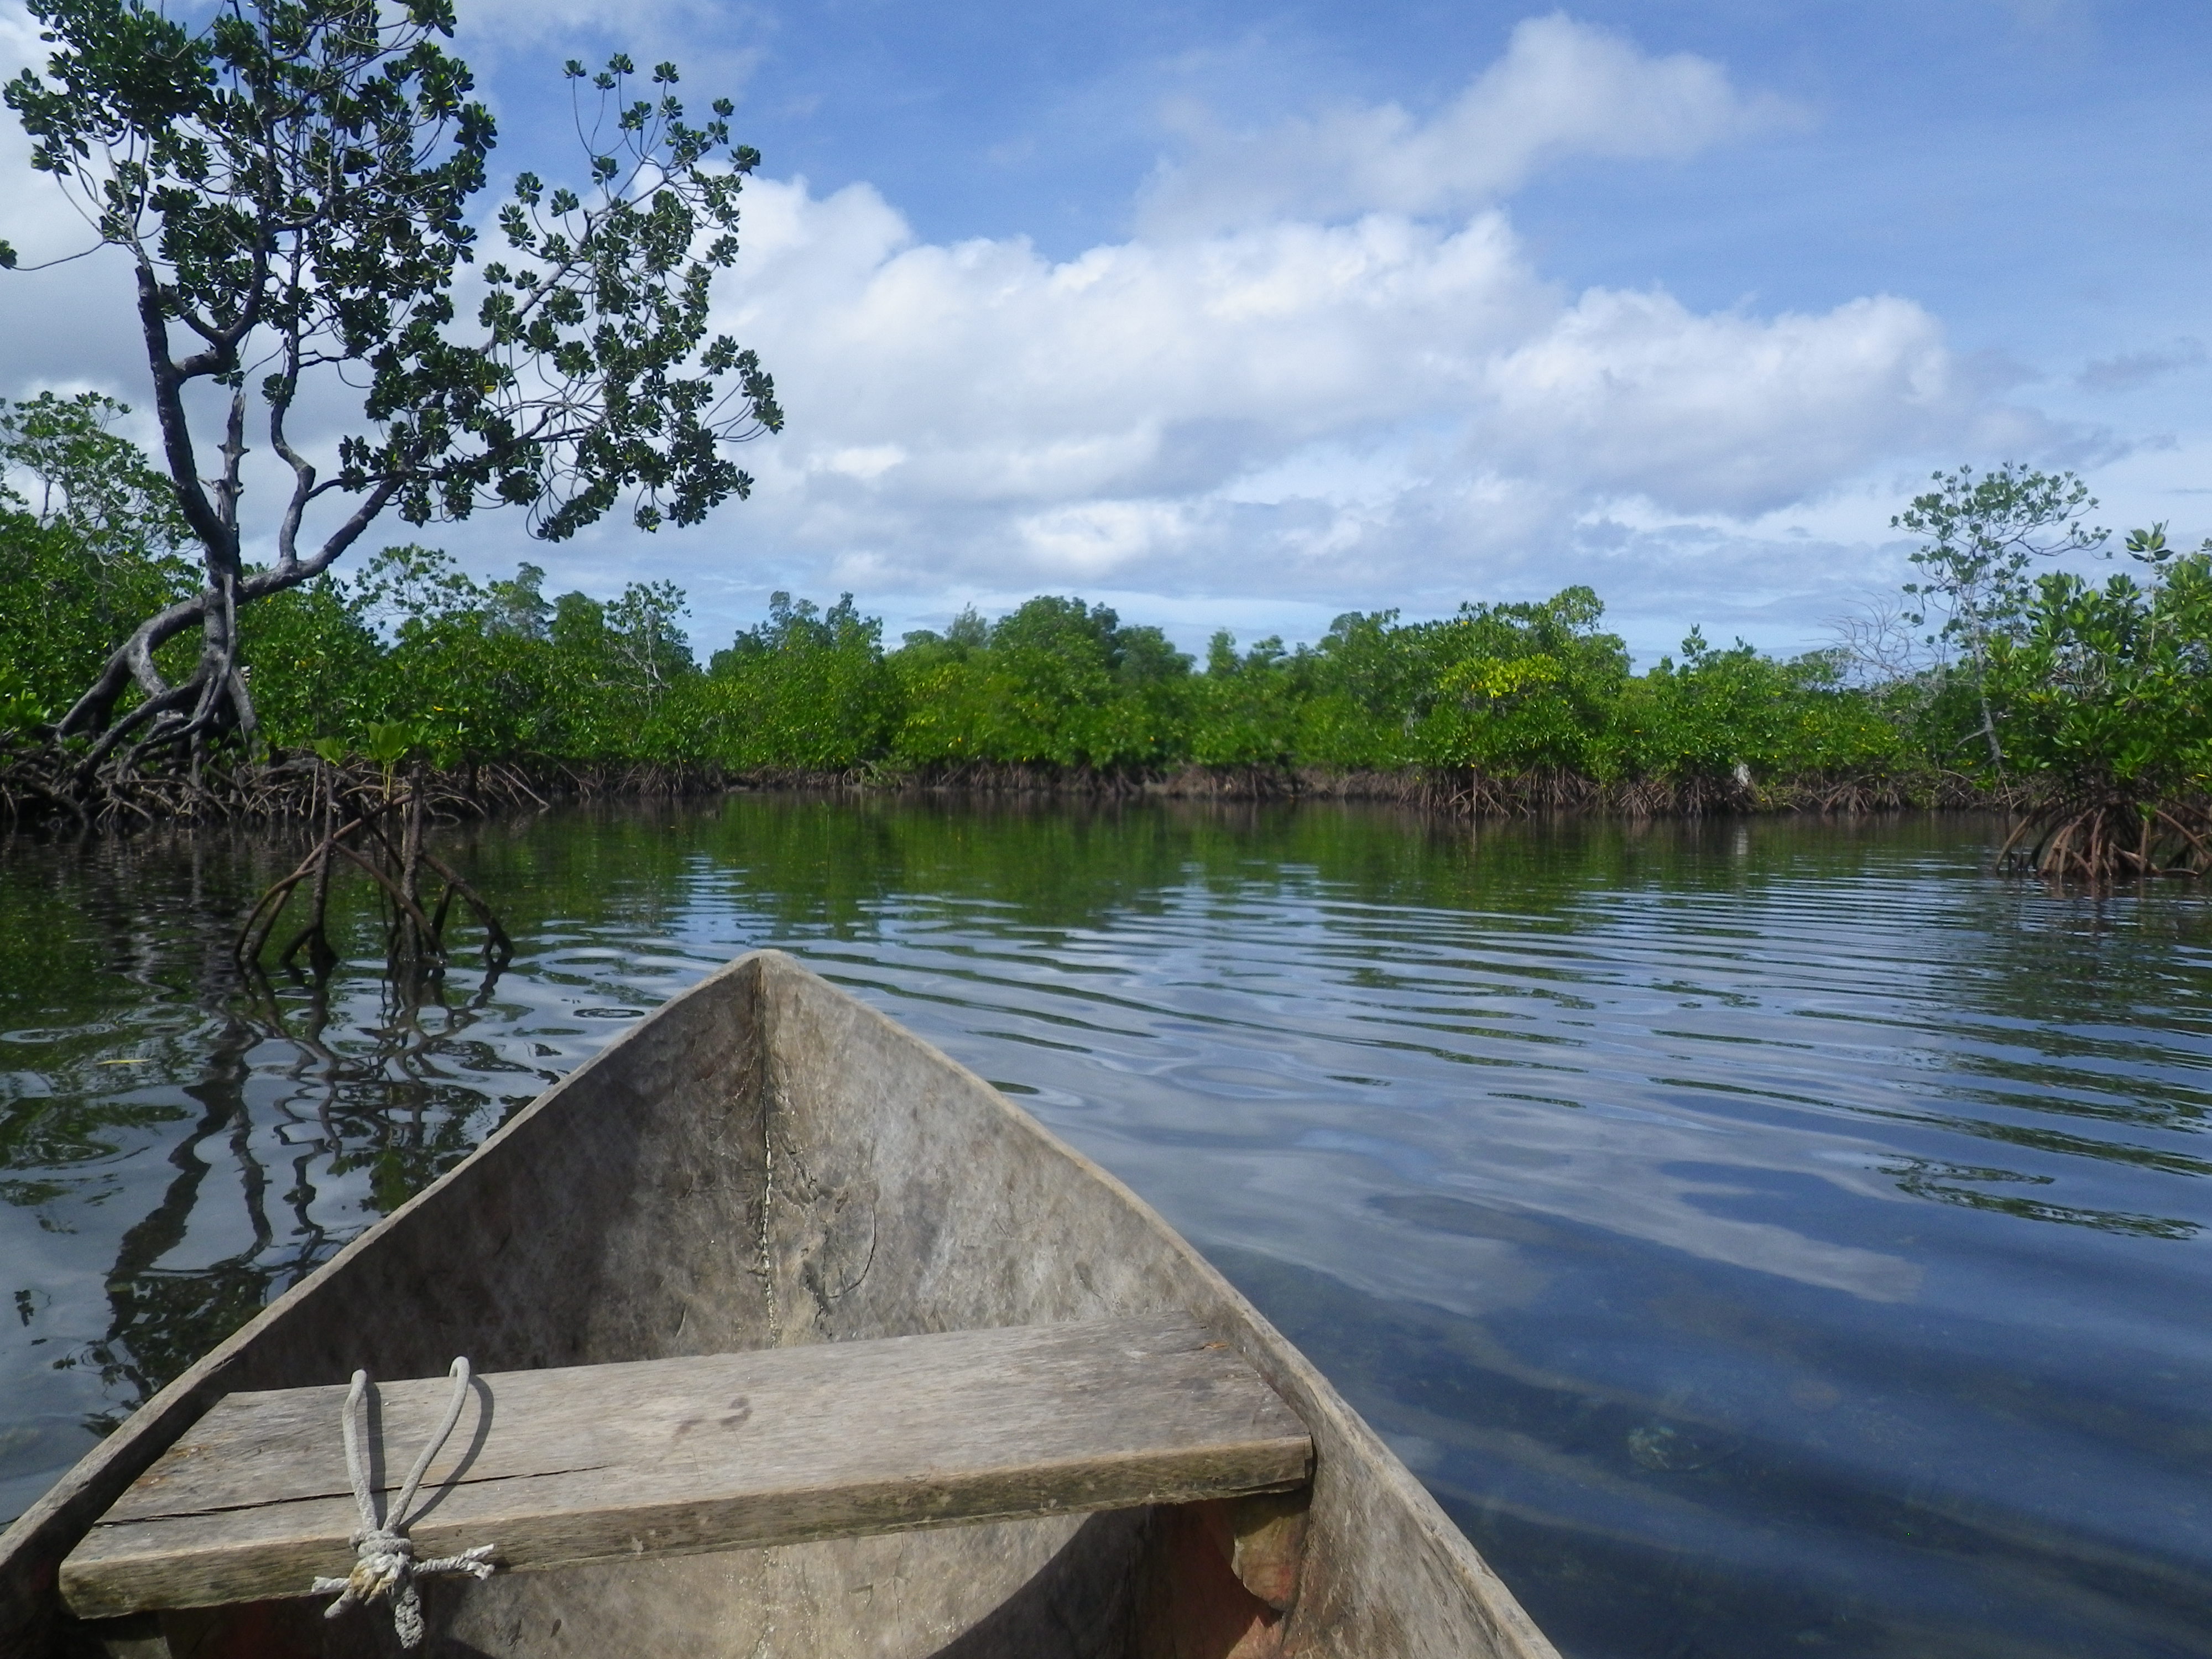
[(1248, 315)]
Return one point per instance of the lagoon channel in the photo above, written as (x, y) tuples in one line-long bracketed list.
[(1764, 1236)]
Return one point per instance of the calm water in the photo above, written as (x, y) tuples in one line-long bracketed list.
[(1763, 1238)]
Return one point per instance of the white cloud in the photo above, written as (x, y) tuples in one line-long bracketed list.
[(1325, 371), (1369, 395), (1000, 376), (1292, 407), (1562, 89), (1631, 394), (1092, 539)]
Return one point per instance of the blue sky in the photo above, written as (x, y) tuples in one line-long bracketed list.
[(1245, 315)]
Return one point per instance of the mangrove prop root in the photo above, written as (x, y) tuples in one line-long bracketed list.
[(45, 783), (381, 830), (39, 783), (2097, 836)]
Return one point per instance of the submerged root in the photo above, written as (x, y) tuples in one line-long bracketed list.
[(378, 830), (2097, 838), (41, 784)]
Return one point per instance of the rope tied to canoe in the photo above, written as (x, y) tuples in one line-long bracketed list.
[(385, 1563)]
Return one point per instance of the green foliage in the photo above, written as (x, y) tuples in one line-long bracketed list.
[(1520, 687), (61, 610), (1056, 683), (1244, 710), (2103, 692), (805, 690), (1981, 539), (292, 180), (2093, 693), (472, 671), (303, 168), (2097, 689), (649, 652), (314, 663), (1504, 689), (83, 558), (1360, 686), (1737, 714), (90, 479), (520, 607)]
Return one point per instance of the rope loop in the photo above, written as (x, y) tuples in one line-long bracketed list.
[(384, 1566)]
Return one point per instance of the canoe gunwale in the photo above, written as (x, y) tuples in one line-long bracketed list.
[(1287, 1371), (1348, 1451), (30, 1561)]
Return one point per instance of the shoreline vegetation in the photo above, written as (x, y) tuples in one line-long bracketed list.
[(494, 696), (287, 788), (2081, 708), (293, 189)]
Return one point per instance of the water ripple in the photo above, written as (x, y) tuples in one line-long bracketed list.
[(1760, 1236)]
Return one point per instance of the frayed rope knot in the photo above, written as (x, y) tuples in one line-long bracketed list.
[(385, 1566)]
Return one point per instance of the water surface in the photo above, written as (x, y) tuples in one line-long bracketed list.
[(1762, 1238)]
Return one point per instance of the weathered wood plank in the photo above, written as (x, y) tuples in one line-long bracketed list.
[(766, 1161), (766, 1447)]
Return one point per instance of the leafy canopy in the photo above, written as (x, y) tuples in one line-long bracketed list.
[(293, 182), (88, 477), (1980, 539)]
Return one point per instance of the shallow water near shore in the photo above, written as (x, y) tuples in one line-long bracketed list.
[(1763, 1236)]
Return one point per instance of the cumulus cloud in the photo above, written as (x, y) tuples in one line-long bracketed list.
[(1366, 394), (1631, 394), (1563, 89), (1287, 404)]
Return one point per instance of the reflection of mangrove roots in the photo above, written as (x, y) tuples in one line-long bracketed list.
[(39, 783), (2104, 837), (377, 828)]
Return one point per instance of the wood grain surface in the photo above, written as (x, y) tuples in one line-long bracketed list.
[(765, 1163), (768, 1447)]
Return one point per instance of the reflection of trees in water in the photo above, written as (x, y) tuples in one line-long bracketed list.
[(376, 1111), (2036, 1040)]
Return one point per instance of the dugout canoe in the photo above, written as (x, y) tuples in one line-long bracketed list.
[(765, 1161)]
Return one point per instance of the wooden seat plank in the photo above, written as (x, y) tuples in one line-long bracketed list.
[(773, 1446)]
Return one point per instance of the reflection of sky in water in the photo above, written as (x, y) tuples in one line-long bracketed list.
[(1762, 1238)]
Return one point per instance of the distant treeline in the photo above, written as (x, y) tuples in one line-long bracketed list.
[(1999, 674), (414, 656), (2088, 702)]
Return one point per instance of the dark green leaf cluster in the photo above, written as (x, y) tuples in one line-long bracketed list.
[(807, 690), (415, 656), (417, 653), (63, 601), (293, 181), (1056, 683), (2106, 688), (91, 549)]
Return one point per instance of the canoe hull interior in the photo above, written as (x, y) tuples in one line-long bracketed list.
[(767, 1162)]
